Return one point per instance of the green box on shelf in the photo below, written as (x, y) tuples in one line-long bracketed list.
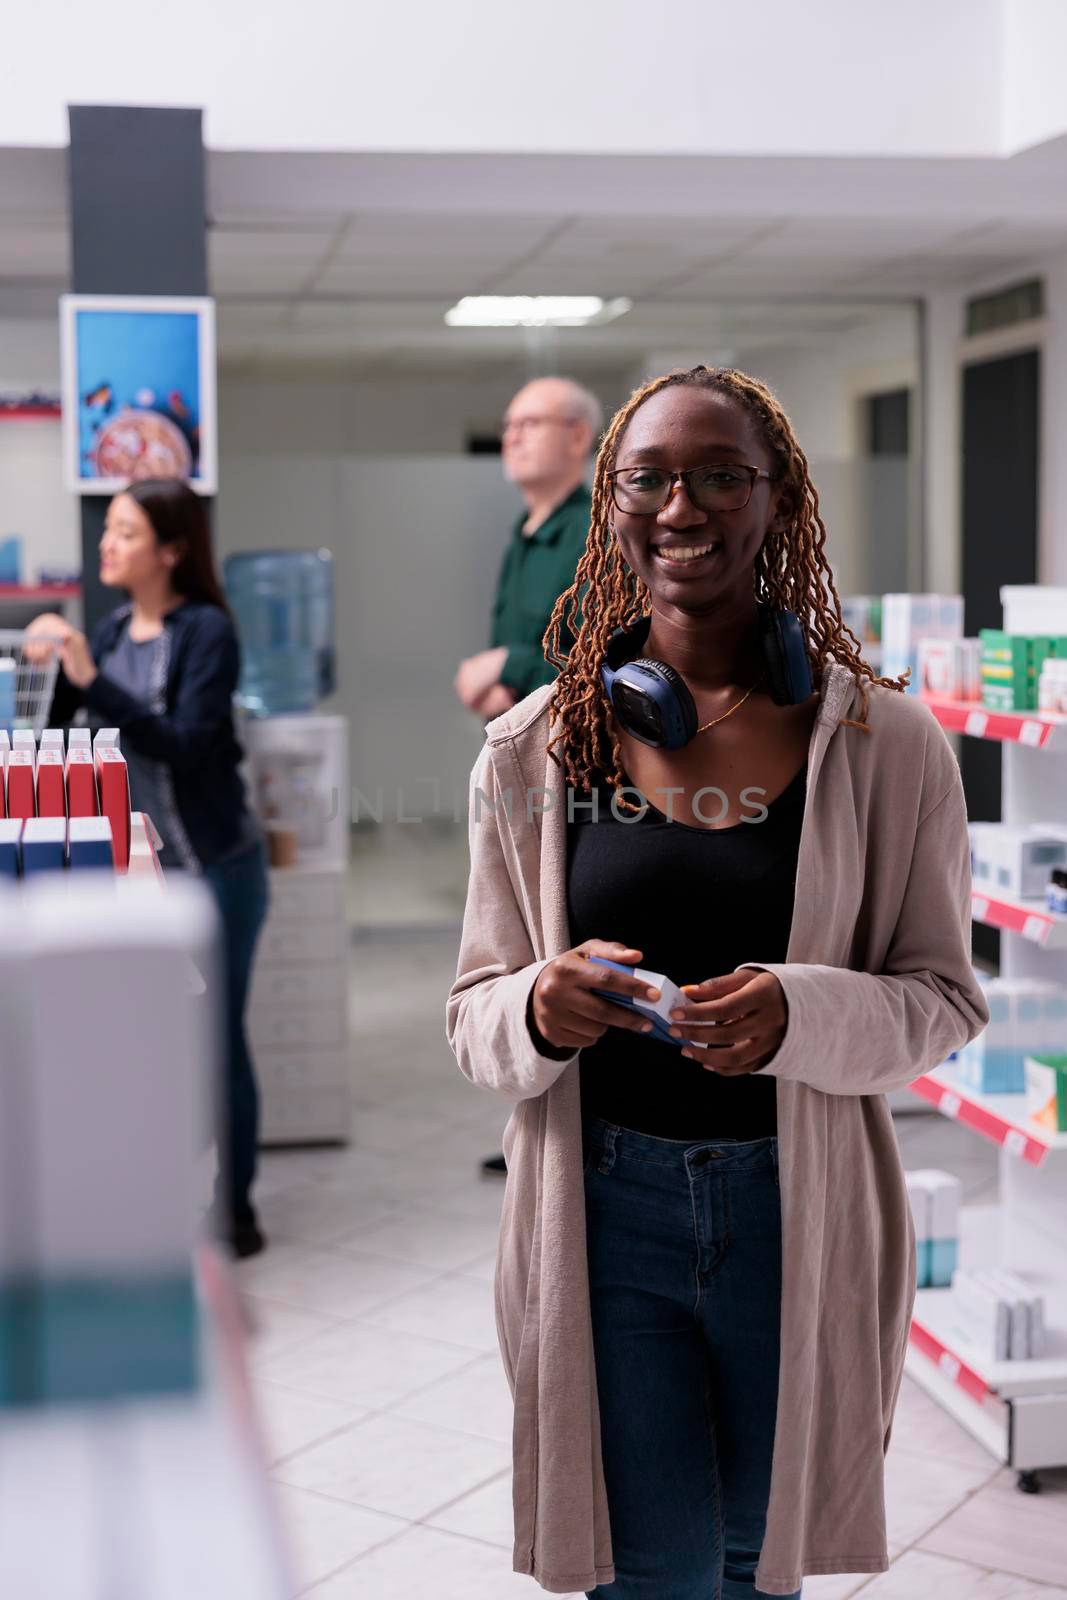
[(1046, 1091)]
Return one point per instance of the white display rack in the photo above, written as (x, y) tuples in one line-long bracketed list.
[(1017, 1409), (187, 1475)]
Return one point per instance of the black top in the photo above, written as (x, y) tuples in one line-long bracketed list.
[(192, 735), (697, 902)]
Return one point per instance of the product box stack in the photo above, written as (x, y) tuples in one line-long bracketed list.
[(910, 619), (1026, 1018), (63, 807), (1000, 1314), (1016, 861), (935, 1210), (950, 668), (97, 1227), (1012, 667)]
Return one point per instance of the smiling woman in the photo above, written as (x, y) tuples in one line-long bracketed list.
[(707, 1261)]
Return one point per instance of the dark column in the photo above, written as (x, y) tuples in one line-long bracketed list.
[(138, 226)]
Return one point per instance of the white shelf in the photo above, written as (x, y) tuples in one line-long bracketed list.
[(1015, 1409), (1000, 1118)]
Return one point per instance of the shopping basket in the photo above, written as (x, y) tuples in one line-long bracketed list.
[(34, 681)]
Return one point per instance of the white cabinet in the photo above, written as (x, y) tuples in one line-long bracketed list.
[(298, 1009)]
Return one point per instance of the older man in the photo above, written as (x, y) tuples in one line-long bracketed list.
[(550, 430)]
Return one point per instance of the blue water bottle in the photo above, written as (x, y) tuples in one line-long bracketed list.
[(283, 604)]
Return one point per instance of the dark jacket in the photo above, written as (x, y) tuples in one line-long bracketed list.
[(193, 735)]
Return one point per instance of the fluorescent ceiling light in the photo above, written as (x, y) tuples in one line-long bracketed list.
[(534, 311)]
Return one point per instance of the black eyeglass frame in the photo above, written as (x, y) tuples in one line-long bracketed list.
[(754, 474)]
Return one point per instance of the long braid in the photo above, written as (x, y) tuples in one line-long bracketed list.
[(791, 571)]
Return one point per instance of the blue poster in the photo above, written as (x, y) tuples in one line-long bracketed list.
[(141, 383)]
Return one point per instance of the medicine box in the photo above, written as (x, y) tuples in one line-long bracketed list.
[(1046, 1090), (935, 1210), (21, 783), (1026, 1017), (82, 798), (909, 618), (44, 845), (10, 847), (950, 668), (89, 843), (51, 782), (1014, 862), (1011, 667)]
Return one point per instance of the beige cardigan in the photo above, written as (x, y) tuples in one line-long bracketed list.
[(879, 988)]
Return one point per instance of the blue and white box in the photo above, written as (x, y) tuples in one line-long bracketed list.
[(10, 847), (1022, 1011), (90, 843), (44, 844), (935, 1210)]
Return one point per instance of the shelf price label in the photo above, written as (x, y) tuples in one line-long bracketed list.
[(976, 723), (1030, 733), (950, 1104), (949, 1365), (1036, 928), (979, 908), (1015, 1141)]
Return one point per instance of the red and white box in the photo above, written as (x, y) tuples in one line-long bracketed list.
[(114, 785), (21, 783), (51, 782), (82, 798)]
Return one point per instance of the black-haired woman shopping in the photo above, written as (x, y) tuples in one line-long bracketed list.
[(163, 668)]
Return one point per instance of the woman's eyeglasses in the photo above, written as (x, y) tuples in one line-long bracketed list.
[(723, 486)]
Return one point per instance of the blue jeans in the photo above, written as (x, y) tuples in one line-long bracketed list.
[(684, 1244), (240, 888)]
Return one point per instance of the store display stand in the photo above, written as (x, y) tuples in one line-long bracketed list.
[(298, 1008), (1016, 1409)]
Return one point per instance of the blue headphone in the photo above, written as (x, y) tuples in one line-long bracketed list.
[(653, 702)]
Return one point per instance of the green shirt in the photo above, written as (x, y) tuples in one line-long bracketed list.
[(536, 569)]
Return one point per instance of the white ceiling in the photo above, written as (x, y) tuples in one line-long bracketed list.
[(304, 274)]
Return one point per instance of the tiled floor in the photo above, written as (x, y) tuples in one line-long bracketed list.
[(373, 1347)]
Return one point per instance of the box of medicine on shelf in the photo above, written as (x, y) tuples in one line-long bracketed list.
[(1046, 1090), (935, 1210), (1014, 862), (909, 618), (1011, 666), (950, 667), (1026, 1017)]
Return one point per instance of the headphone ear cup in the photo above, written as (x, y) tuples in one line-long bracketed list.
[(786, 657)]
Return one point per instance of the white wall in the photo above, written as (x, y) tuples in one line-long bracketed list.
[(33, 500), (1035, 48), (331, 413), (417, 544), (702, 76)]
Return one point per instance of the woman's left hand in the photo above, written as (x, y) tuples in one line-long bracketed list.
[(739, 1018), (76, 657)]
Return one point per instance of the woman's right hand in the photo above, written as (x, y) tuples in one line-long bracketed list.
[(568, 1014), (44, 637)]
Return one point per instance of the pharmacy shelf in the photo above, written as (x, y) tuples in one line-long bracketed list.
[(1031, 918), (1000, 1118), (939, 1332), (1016, 1409), (1038, 730)]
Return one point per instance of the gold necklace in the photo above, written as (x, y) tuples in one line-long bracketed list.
[(703, 728)]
